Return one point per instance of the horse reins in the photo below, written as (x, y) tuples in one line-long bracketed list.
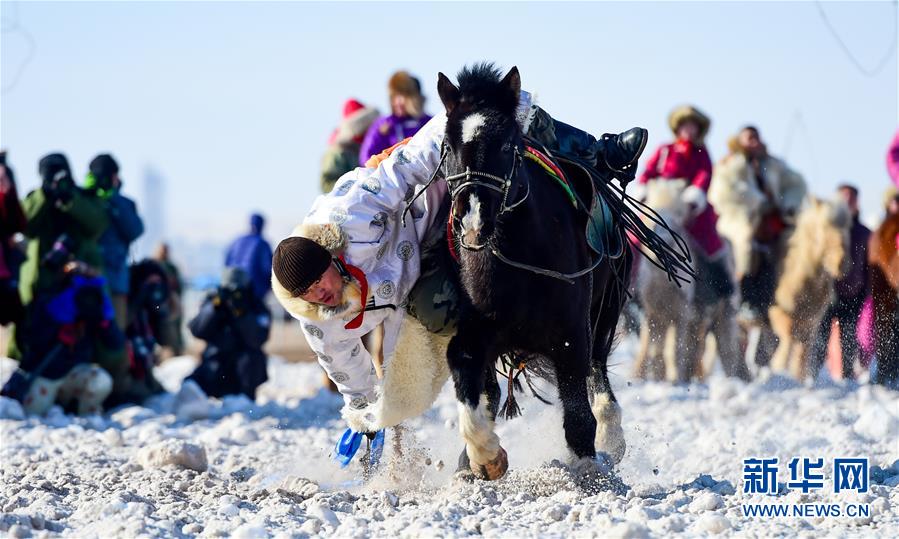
[(502, 185)]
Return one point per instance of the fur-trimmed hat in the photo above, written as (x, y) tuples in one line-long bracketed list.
[(688, 112), (298, 262), (357, 118), (334, 241), (403, 83)]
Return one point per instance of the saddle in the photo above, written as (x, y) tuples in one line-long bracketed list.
[(611, 215), (601, 233)]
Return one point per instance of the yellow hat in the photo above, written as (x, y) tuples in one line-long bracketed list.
[(688, 112)]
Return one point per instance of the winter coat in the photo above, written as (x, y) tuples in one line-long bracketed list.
[(12, 220), (360, 220), (337, 161), (254, 255), (54, 327), (125, 226), (233, 361), (741, 204), (684, 160), (387, 131), (83, 218), (852, 288), (893, 160), (345, 143)]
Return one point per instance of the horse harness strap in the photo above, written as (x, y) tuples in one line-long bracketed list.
[(502, 185), (552, 169)]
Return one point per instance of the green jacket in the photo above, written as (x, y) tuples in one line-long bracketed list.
[(337, 161), (83, 218)]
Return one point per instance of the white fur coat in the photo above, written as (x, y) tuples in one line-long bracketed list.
[(740, 203), (361, 219)]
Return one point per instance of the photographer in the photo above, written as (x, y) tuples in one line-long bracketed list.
[(60, 342), (235, 324), (58, 207), (125, 226)]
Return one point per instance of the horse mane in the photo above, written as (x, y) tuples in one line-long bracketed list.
[(480, 86), (815, 248)]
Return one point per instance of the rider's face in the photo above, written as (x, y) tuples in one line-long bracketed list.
[(398, 105), (688, 130), (328, 290), (750, 141)]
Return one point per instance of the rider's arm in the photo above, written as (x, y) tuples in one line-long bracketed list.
[(703, 177), (346, 361), (652, 167)]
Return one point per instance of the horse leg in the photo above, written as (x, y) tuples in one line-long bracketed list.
[(468, 360), (656, 349), (493, 395), (688, 332), (782, 326), (572, 367), (724, 327), (609, 437), (642, 352)]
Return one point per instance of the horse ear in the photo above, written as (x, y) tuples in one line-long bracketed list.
[(449, 94), (512, 81)]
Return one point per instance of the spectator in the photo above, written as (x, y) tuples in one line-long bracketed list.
[(60, 344), (883, 259), (342, 154), (235, 324), (254, 255), (125, 226), (406, 118), (171, 331), (12, 221), (893, 160), (850, 292), (57, 207)]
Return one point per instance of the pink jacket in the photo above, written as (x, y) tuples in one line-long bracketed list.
[(682, 159)]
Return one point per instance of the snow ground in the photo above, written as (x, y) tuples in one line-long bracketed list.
[(267, 470)]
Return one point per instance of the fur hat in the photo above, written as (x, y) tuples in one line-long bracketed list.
[(334, 241), (688, 112), (299, 262), (403, 83)]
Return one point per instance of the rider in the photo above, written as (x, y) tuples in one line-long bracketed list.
[(688, 158), (757, 196), (354, 249)]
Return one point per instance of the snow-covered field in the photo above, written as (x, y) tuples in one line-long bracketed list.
[(265, 470)]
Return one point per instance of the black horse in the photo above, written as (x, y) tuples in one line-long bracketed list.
[(532, 285)]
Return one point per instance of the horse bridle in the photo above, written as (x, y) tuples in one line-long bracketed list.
[(502, 185), (476, 178)]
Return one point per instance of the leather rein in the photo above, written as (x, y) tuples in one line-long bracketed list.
[(502, 185)]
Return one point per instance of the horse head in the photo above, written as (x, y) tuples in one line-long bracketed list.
[(483, 149), (822, 235)]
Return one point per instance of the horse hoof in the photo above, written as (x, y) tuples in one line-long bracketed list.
[(493, 469)]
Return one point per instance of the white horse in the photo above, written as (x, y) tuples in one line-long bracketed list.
[(677, 320)]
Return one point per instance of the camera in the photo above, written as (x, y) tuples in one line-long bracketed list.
[(60, 254)]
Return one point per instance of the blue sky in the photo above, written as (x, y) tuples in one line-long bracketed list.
[(233, 102)]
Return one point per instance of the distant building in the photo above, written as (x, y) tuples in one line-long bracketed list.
[(153, 210)]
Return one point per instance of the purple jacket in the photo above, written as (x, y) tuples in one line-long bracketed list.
[(853, 287), (387, 131)]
